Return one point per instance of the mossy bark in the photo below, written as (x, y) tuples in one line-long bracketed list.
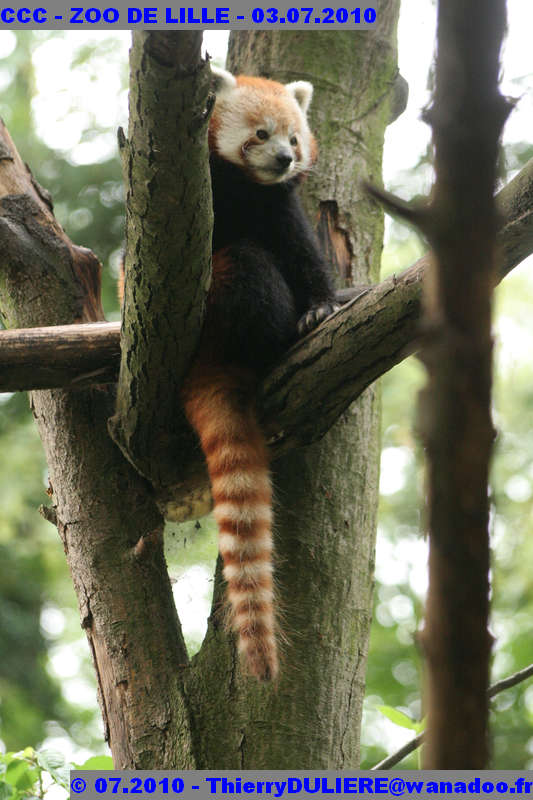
[(327, 493), (168, 246), (105, 512), (159, 710)]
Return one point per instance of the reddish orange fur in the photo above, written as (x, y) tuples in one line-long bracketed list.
[(269, 98), (219, 406)]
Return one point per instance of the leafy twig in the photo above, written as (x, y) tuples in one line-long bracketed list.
[(496, 688)]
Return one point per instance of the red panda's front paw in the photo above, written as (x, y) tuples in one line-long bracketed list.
[(315, 316)]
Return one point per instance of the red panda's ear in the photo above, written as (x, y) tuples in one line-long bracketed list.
[(302, 91), (223, 81)]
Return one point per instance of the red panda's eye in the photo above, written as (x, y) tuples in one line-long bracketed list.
[(294, 141), (261, 134)]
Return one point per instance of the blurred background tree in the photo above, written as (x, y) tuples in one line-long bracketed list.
[(62, 96)]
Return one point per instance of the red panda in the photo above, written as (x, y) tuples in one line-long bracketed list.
[(269, 285)]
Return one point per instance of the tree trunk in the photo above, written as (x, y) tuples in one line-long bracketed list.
[(105, 512), (326, 494), (467, 118), (160, 710)]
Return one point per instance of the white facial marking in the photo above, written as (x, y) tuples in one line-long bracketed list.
[(302, 91), (224, 81)]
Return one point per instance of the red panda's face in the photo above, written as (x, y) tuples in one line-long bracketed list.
[(261, 126)]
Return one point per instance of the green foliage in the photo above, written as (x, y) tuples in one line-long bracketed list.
[(26, 774), (29, 774), (402, 720), (32, 575), (394, 674), (97, 763), (29, 695), (34, 584)]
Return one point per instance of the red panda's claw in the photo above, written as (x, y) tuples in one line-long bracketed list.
[(315, 316)]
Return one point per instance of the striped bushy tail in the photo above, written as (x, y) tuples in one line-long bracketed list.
[(219, 406)]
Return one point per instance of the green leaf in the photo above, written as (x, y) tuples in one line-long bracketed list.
[(62, 776), (21, 775), (50, 760), (421, 726), (55, 764), (7, 758), (6, 791), (399, 718), (14, 770), (97, 762)]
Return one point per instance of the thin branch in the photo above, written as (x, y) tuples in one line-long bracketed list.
[(396, 207), (399, 755), (512, 680), (414, 744)]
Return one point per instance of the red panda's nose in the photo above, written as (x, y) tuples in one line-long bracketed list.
[(284, 159)]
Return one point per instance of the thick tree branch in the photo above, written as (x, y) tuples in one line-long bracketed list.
[(319, 377), (168, 242), (388, 315), (29, 234), (515, 206), (66, 356), (70, 356)]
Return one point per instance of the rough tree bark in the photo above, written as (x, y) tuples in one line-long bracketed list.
[(467, 117), (204, 714), (168, 245), (327, 493), (105, 513), (460, 222), (159, 709)]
